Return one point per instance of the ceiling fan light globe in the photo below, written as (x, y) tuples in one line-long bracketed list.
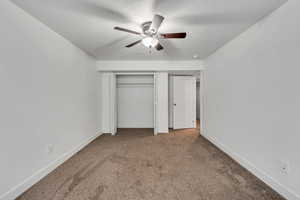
[(150, 42)]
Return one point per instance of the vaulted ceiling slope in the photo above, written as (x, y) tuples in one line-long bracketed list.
[(89, 24)]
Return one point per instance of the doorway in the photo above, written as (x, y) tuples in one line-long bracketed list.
[(185, 104)]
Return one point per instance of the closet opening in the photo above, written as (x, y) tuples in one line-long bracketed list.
[(135, 107)]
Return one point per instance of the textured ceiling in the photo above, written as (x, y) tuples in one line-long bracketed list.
[(89, 24)]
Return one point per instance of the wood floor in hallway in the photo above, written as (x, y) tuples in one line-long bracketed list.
[(135, 165)]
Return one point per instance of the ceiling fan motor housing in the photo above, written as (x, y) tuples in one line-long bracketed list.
[(146, 29)]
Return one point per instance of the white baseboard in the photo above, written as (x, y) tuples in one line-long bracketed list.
[(163, 131), (30, 181), (274, 184), (128, 126), (124, 124)]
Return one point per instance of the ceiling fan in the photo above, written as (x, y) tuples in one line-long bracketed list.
[(150, 35)]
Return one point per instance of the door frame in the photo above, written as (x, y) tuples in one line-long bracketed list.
[(202, 96), (202, 99)]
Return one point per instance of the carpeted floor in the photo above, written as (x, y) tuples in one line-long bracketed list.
[(136, 165)]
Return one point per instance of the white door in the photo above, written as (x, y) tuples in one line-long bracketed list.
[(184, 102)]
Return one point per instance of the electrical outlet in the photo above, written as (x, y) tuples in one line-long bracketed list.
[(50, 148), (284, 167)]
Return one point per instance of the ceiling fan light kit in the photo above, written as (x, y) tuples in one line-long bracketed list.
[(150, 42), (150, 35)]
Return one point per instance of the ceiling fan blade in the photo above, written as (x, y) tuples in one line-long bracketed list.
[(159, 47), (126, 30), (132, 44), (173, 35), (156, 22)]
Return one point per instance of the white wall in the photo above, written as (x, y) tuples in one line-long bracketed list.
[(107, 103), (138, 113), (162, 102), (253, 100), (48, 97)]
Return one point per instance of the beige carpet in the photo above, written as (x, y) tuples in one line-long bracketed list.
[(136, 165)]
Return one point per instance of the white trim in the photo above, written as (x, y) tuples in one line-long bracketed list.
[(137, 85), (281, 189), (134, 73), (30, 181), (202, 101), (148, 66)]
